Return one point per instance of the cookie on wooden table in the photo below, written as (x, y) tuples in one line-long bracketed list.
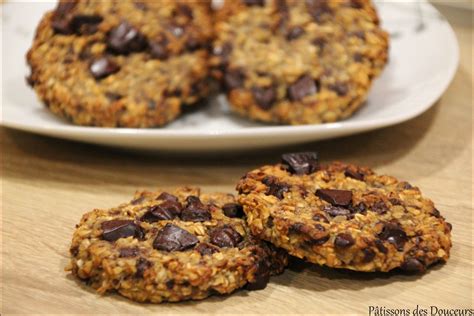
[(343, 216), (172, 247), (121, 63), (298, 61)]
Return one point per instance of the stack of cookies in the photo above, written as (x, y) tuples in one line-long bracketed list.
[(141, 63), (184, 244)]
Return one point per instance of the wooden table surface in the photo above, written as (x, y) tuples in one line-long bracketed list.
[(47, 184)]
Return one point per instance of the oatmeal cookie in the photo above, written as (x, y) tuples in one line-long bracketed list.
[(343, 216), (172, 247), (295, 61), (121, 63)]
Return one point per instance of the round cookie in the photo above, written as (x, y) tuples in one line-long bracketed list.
[(124, 63), (343, 216), (295, 61), (172, 247)]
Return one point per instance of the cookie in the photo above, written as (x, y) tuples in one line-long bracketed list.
[(343, 216), (298, 62), (123, 63), (172, 247)]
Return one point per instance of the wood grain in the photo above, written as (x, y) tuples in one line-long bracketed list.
[(48, 184)]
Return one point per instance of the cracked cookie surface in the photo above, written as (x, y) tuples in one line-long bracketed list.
[(343, 216), (172, 247), (298, 62), (121, 63)]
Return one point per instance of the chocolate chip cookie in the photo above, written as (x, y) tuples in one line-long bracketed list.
[(343, 216), (122, 63), (298, 61), (172, 247)]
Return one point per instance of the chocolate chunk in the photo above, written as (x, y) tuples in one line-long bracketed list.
[(65, 7), (74, 250), (142, 265), (185, 10), (30, 81), (103, 67), (395, 201), (118, 228), (336, 211), (234, 79), (169, 284), (85, 53), (225, 237), (450, 226), (343, 241), (394, 234), (294, 33), (335, 197), (369, 255), (254, 2), (129, 252), (302, 87), (167, 210), (85, 24), (125, 39), (406, 186), (318, 241), (435, 213), (261, 276), (320, 227), (158, 49), (264, 97), (379, 207), (233, 210), (270, 222), (301, 163), (78, 24), (380, 246), (354, 174), (195, 211), (275, 188), (112, 96), (61, 26), (198, 87), (206, 249), (320, 218), (138, 200), (413, 265), (167, 197), (296, 228), (340, 88), (359, 208), (61, 19), (317, 9), (171, 206), (319, 42), (174, 238), (192, 43)]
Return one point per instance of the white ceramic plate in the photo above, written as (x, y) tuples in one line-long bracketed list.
[(423, 61)]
